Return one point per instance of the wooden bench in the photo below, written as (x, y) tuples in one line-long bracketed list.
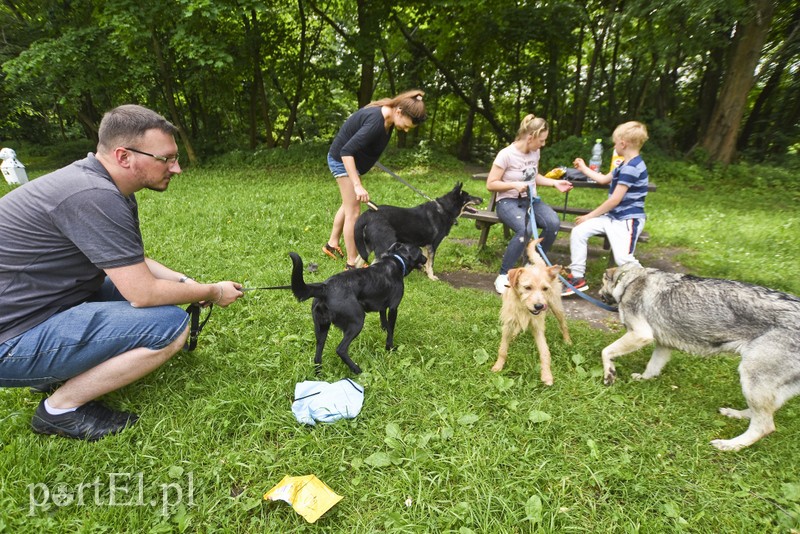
[(485, 219)]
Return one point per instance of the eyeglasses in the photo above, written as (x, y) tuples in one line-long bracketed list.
[(169, 160)]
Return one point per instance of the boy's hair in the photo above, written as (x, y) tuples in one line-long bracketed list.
[(633, 132), (531, 125), (409, 102), (126, 124)]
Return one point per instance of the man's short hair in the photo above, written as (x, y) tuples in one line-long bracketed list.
[(124, 125), (633, 132)]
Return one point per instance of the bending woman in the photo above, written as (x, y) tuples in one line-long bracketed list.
[(514, 169), (355, 149)]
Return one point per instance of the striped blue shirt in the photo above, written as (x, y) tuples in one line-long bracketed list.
[(634, 175)]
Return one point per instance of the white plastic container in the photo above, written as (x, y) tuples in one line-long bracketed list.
[(13, 170)]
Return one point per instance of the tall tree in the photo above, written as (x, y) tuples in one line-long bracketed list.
[(760, 126), (719, 139)]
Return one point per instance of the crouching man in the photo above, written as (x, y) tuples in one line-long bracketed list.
[(80, 304)]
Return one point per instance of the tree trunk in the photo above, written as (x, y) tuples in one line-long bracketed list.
[(259, 100), (367, 42), (599, 42), (485, 111), (301, 69), (169, 96), (467, 136), (762, 109), (720, 139)]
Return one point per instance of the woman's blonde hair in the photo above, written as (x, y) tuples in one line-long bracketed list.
[(531, 125), (409, 102)]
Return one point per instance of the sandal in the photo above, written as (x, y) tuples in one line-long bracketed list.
[(334, 252)]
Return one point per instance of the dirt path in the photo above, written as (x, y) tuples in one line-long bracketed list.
[(576, 307)]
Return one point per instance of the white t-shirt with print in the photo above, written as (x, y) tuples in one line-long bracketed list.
[(517, 166)]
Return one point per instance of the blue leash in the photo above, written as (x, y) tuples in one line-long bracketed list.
[(535, 235)]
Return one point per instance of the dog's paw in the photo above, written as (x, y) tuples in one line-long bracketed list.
[(547, 380), (638, 376), (497, 367), (727, 444), (610, 377), (735, 414), (434, 277)]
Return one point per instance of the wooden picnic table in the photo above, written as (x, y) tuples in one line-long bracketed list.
[(485, 219)]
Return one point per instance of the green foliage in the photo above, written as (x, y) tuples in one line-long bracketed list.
[(442, 444), (243, 73), (39, 159)]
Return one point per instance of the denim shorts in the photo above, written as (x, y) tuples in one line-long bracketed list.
[(336, 167), (80, 338)]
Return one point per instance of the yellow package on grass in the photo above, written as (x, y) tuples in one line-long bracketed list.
[(308, 495)]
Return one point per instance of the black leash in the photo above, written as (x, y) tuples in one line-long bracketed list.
[(195, 325), (243, 289), (396, 177)]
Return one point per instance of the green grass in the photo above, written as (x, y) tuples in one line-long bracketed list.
[(472, 450)]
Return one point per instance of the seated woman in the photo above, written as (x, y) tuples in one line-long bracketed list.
[(514, 169)]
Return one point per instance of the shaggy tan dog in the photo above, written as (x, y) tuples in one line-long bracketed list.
[(532, 290)]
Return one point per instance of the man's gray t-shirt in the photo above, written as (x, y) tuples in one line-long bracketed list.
[(57, 235)]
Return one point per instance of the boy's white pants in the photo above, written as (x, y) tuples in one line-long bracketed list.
[(622, 236)]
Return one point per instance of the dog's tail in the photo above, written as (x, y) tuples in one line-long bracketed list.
[(301, 290), (360, 232), (533, 252)]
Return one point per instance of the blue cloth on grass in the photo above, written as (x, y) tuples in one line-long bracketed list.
[(324, 402)]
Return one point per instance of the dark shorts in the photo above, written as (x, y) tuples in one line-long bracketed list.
[(82, 337)]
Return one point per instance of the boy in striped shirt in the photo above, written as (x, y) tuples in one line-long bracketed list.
[(621, 216)]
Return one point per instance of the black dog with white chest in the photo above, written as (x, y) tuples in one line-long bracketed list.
[(344, 299), (425, 225)]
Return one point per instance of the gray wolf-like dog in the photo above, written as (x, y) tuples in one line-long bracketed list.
[(532, 290), (708, 316)]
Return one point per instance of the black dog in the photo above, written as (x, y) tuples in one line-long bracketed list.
[(344, 298), (425, 225)]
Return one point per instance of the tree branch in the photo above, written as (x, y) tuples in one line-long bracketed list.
[(451, 80)]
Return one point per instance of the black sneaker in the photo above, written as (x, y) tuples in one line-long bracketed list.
[(123, 418), (578, 283), (91, 421)]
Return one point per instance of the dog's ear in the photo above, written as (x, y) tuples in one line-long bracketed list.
[(610, 277), (553, 271), (513, 276), (394, 247)]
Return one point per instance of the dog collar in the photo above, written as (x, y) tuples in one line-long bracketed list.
[(398, 258)]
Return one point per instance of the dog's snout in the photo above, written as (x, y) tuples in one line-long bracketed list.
[(538, 307)]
